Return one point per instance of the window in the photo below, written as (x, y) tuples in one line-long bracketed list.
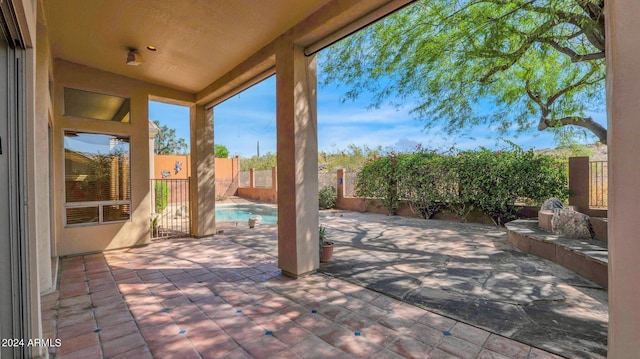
[(97, 106), (97, 178)]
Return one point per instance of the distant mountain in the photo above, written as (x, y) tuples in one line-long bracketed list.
[(596, 152)]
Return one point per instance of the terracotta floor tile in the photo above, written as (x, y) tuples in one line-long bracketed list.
[(285, 354), (114, 319), (142, 352), (426, 334), (122, 345), (313, 322), (175, 348), (78, 301), (397, 323), (488, 354), (334, 312), (120, 330), (315, 348), (245, 333), (334, 334), (355, 321), (77, 329), (380, 334), (291, 334), (77, 343), (469, 333), (359, 347), (386, 354), (199, 315), (74, 319), (294, 312), (507, 347), (272, 322), (84, 353), (459, 347), (264, 347), (238, 353), (539, 354), (437, 321), (159, 333), (410, 348)]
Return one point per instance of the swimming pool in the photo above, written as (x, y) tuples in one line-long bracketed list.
[(242, 213)]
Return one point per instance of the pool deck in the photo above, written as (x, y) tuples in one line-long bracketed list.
[(398, 287)]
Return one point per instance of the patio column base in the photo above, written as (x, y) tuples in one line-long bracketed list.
[(296, 276)]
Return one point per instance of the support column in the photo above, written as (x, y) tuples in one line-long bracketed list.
[(297, 156), (203, 180), (623, 107)]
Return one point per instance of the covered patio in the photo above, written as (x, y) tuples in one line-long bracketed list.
[(197, 54), (212, 298)]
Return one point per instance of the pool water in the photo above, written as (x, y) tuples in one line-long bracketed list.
[(242, 213)]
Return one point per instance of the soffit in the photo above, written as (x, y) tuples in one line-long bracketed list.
[(198, 40)]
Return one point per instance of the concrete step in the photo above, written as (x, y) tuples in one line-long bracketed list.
[(589, 258)]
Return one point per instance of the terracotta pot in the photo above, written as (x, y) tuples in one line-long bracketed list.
[(252, 222), (327, 253)]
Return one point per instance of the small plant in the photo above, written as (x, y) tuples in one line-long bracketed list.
[(327, 197), (154, 225), (162, 196), (323, 236)]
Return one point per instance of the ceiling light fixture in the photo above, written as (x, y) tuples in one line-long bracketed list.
[(133, 57)]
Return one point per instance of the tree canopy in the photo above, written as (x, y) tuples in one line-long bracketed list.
[(509, 64), (221, 151), (167, 143)]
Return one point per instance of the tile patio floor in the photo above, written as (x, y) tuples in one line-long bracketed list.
[(212, 298)]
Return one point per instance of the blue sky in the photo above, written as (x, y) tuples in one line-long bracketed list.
[(249, 117)]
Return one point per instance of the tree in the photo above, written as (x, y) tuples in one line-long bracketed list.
[(534, 63), (166, 142), (221, 151)]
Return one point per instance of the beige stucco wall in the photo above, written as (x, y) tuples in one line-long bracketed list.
[(72, 240), (623, 107), (40, 177)]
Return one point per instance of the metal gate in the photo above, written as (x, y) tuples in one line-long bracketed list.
[(170, 215)]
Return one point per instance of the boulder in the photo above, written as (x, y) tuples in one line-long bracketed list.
[(551, 204), (570, 223)]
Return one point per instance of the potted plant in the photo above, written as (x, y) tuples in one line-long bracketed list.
[(326, 246)]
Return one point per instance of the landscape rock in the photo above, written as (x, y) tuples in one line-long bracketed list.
[(568, 222), (551, 204)]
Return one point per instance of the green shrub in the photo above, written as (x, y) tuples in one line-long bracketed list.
[(327, 197), (378, 179), (425, 182), (162, 196), (489, 181), (492, 182)]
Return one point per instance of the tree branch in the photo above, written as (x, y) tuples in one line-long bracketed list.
[(585, 122), (575, 57), (583, 81)]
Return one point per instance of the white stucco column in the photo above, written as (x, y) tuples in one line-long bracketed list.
[(623, 109), (297, 149), (202, 188)]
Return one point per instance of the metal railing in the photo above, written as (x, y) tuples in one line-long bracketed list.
[(598, 184), (170, 208)]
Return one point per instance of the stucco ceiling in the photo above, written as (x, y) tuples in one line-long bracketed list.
[(197, 40)]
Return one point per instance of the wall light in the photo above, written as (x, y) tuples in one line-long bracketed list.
[(134, 58)]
